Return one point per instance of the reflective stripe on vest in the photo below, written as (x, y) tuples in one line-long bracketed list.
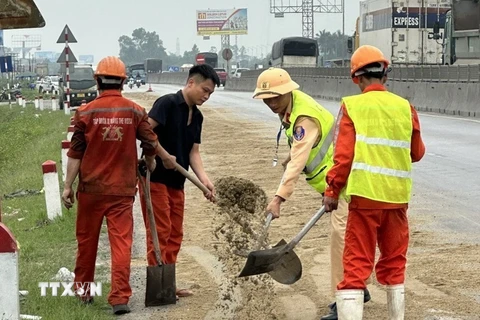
[(309, 168), (383, 142), (381, 168), (320, 159)]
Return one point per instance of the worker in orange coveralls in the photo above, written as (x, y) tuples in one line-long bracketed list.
[(377, 139), (104, 153), (177, 121)]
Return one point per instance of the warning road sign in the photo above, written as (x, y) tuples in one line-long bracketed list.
[(66, 35), (63, 56)]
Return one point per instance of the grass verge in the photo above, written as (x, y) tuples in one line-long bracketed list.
[(29, 137)]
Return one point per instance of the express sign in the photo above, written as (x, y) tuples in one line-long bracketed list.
[(403, 22), (416, 18)]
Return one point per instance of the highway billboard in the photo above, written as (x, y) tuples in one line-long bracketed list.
[(86, 58), (222, 22)]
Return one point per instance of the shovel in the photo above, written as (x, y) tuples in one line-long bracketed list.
[(282, 273), (161, 289), (280, 262)]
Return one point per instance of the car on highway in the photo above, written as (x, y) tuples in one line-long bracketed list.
[(49, 84), (238, 72), (222, 75)]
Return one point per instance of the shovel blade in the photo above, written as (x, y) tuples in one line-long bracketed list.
[(263, 261), (288, 269), (161, 289)]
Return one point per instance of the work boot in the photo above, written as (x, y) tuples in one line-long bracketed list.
[(120, 309), (350, 304), (332, 315), (396, 302)]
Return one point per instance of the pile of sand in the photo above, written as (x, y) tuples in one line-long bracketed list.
[(239, 225)]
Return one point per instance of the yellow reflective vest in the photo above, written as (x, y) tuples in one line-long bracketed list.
[(382, 165), (320, 159)]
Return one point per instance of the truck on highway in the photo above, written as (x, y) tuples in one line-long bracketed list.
[(402, 30), (41, 69), (82, 86), (210, 58), (294, 52), (137, 69), (153, 65), (461, 36)]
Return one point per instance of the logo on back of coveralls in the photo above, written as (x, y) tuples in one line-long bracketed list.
[(112, 133)]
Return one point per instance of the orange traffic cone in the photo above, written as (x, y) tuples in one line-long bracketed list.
[(149, 88)]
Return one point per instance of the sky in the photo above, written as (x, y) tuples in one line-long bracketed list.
[(97, 24)]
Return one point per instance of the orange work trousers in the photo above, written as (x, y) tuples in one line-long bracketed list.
[(366, 228), (118, 211), (168, 206)]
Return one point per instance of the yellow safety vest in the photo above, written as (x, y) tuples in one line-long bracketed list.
[(320, 159), (382, 164)]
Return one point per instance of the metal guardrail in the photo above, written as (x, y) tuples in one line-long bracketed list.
[(422, 73)]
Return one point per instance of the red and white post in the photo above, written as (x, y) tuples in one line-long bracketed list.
[(36, 103), (54, 103), (40, 103), (67, 71), (70, 131), (65, 147), (52, 189), (9, 278)]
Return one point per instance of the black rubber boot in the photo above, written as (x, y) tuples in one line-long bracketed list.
[(120, 309), (332, 315)]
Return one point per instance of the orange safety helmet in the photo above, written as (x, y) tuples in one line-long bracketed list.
[(274, 82), (364, 56), (111, 67)]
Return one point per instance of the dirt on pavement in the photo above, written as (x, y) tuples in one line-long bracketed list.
[(443, 279)]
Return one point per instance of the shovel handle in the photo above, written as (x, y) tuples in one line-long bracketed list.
[(306, 228), (192, 179), (263, 236), (268, 221), (151, 216)]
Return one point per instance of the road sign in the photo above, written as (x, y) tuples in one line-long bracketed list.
[(227, 54), (6, 64), (66, 35), (63, 56), (173, 69)]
